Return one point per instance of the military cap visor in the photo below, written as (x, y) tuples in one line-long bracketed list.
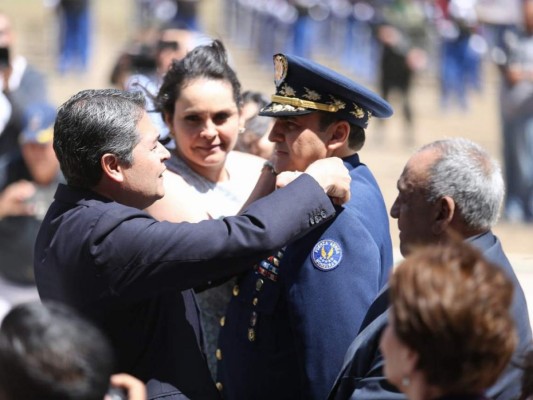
[(303, 86)]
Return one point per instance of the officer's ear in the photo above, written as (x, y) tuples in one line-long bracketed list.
[(338, 135), (112, 167), (444, 212)]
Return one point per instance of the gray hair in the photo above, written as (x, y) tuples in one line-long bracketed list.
[(466, 172), (91, 124)]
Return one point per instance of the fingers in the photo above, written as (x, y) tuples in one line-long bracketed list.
[(334, 178), (135, 388), (14, 199), (284, 178)]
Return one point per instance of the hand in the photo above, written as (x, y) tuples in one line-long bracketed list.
[(13, 199), (135, 388), (333, 176)]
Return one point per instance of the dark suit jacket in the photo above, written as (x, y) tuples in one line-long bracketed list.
[(132, 275), (361, 376)]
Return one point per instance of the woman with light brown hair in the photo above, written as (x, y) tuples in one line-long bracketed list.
[(450, 331)]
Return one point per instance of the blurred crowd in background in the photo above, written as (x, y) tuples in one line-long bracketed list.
[(385, 43)]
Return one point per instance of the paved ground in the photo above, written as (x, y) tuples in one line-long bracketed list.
[(113, 26)]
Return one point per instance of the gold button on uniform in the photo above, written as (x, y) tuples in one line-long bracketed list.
[(259, 284), (222, 321), (251, 334), (253, 319), (219, 386), (236, 290), (218, 354), (255, 301)]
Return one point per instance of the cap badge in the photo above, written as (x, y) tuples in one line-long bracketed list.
[(326, 255), (286, 90), (358, 112), (281, 67), (311, 95), (340, 105)]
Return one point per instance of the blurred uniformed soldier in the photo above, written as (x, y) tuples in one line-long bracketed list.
[(294, 315)]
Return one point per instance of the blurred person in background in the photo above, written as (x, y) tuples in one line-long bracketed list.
[(496, 18), (516, 106), (187, 14), (200, 102), (451, 331), (20, 81), (48, 352), (74, 18), (21, 84), (448, 189), (402, 35), (461, 50), (137, 58), (173, 43), (253, 138), (35, 174)]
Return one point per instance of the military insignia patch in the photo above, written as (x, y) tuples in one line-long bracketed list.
[(326, 255), (280, 69)]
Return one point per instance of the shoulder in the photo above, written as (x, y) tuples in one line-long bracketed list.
[(239, 158), (244, 166)]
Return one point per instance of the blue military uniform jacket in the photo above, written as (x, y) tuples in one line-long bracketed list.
[(361, 376), (132, 275), (292, 318)]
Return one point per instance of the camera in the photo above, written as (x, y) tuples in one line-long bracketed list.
[(4, 57)]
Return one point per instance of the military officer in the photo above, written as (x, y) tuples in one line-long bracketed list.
[(292, 317)]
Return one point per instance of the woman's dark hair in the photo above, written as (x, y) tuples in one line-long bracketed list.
[(209, 61)]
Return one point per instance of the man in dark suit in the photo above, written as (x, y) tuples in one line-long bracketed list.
[(131, 275), (449, 188)]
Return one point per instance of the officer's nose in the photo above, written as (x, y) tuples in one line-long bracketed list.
[(276, 134)]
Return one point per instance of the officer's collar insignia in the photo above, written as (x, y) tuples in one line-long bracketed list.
[(281, 67), (326, 255)]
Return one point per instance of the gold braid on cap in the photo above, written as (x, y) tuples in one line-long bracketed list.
[(293, 101)]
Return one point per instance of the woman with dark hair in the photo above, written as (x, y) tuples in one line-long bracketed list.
[(450, 332), (200, 102)]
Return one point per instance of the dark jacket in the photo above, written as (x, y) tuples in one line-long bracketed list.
[(132, 275), (361, 376)]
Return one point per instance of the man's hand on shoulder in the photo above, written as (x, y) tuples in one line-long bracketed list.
[(331, 175)]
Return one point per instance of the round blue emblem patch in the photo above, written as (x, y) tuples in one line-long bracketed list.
[(327, 254)]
